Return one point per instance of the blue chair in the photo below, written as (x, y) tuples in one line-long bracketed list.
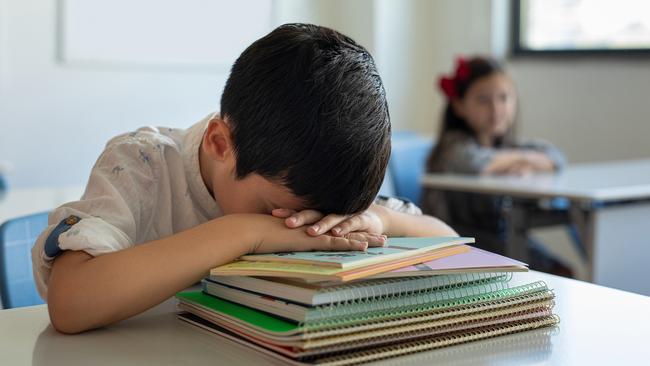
[(406, 164), (3, 186), (17, 236)]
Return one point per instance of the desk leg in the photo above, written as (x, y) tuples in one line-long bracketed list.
[(583, 219), (517, 240)]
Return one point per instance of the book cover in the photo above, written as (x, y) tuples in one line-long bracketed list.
[(475, 260), (324, 273), (394, 248), (313, 294)]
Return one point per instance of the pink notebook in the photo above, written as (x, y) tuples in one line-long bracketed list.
[(475, 260)]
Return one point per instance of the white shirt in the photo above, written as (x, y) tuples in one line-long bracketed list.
[(145, 185)]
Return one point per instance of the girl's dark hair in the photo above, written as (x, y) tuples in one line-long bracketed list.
[(308, 110), (476, 68)]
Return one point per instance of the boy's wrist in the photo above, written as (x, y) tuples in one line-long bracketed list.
[(243, 228), (385, 215)]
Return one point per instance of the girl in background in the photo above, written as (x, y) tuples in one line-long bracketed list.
[(477, 137)]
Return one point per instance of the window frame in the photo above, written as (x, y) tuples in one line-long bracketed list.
[(517, 50)]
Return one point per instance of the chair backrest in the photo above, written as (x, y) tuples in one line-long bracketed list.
[(17, 236), (3, 185), (406, 165)]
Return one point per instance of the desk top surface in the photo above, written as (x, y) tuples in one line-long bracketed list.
[(599, 326), (604, 181)]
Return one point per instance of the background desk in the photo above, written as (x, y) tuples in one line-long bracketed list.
[(609, 204), (599, 326)]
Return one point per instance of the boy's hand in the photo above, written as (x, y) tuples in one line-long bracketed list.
[(271, 235), (369, 225)]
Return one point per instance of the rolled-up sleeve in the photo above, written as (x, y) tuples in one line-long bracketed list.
[(398, 204), (118, 198)]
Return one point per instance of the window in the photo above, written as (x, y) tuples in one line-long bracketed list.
[(581, 26)]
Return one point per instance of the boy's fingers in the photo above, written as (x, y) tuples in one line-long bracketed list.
[(282, 212), (354, 223), (301, 218), (335, 243), (372, 239), (326, 224)]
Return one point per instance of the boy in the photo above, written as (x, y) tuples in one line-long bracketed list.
[(303, 131)]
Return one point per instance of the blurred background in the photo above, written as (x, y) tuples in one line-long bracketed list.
[(74, 73)]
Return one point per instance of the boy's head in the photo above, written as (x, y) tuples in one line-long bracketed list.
[(306, 111)]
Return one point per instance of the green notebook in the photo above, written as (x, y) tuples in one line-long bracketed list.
[(332, 319), (258, 318)]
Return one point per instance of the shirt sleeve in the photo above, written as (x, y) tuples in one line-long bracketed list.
[(115, 208), (553, 153), (464, 156), (398, 204)]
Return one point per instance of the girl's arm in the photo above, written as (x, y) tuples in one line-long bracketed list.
[(517, 161)]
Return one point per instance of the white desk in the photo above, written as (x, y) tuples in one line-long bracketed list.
[(599, 326), (610, 205)]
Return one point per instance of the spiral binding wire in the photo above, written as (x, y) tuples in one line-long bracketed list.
[(419, 345), (366, 310), (439, 326), (531, 298), (414, 291), (408, 285)]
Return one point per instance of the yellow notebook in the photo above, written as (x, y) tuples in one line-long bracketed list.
[(324, 273)]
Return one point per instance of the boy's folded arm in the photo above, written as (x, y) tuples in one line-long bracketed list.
[(87, 292), (405, 224), (388, 216)]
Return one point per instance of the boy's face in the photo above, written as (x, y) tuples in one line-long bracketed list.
[(254, 193)]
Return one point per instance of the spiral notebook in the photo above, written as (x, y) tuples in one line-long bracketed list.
[(353, 298), (373, 353), (462, 308), (313, 294), (344, 321), (474, 265), (434, 324)]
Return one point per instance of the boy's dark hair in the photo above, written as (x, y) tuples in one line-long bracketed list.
[(307, 109)]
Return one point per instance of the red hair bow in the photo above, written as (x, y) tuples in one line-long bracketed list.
[(449, 85)]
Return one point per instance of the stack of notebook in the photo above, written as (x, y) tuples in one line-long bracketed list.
[(351, 307)]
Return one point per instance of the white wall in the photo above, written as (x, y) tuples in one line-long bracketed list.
[(55, 118), (593, 109)]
